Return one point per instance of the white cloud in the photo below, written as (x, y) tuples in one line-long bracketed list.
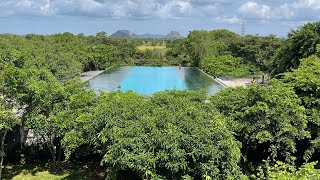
[(284, 12), (210, 10), (98, 8), (228, 20), (221, 10), (31, 7), (209, 2), (255, 11), (78, 7), (311, 4), (175, 9)]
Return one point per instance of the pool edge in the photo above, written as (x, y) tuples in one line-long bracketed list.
[(215, 79), (88, 75)]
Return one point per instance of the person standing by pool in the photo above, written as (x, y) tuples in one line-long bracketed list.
[(262, 81), (180, 66), (254, 81)]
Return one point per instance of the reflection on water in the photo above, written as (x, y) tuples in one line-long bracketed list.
[(149, 80), (195, 80), (109, 80)]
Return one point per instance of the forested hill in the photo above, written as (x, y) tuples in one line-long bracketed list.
[(269, 131)]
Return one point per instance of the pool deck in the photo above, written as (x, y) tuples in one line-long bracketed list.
[(230, 83), (235, 82)]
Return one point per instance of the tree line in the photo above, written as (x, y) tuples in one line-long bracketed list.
[(224, 53)]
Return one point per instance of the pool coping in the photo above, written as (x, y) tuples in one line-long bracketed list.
[(215, 79), (88, 75)]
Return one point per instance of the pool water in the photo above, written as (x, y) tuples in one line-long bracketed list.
[(148, 80)]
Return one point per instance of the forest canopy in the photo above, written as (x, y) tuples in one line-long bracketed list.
[(268, 131)]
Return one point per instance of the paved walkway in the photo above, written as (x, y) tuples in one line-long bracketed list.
[(235, 82)]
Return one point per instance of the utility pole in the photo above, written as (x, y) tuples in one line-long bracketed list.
[(243, 28)]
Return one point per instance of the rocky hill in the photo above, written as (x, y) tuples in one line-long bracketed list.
[(174, 35), (130, 34), (124, 34)]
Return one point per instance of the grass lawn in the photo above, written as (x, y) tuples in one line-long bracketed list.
[(47, 172), (145, 47)]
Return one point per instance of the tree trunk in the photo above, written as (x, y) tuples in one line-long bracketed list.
[(2, 152), (23, 137), (54, 155), (53, 151), (52, 148), (59, 155)]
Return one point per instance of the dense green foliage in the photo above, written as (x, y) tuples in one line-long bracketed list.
[(267, 120), (300, 44), (306, 82), (67, 55), (256, 50), (8, 122), (223, 53), (239, 133), (282, 171), (171, 135)]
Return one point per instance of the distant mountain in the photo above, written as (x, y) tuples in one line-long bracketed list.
[(130, 34), (152, 36), (124, 34), (174, 35)]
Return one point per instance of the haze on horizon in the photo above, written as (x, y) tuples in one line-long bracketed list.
[(155, 16)]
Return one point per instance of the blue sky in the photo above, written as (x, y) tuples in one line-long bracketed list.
[(155, 16)]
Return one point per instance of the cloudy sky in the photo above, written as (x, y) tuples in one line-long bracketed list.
[(155, 16)]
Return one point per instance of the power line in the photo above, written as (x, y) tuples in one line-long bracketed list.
[(243, 28)]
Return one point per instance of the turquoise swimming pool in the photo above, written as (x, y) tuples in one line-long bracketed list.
[(148, 80)]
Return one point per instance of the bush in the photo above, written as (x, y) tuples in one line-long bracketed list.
[(282, 171), (267, 120), (172, 135)]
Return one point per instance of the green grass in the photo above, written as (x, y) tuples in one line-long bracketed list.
[(47, 172), (145, 47)]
